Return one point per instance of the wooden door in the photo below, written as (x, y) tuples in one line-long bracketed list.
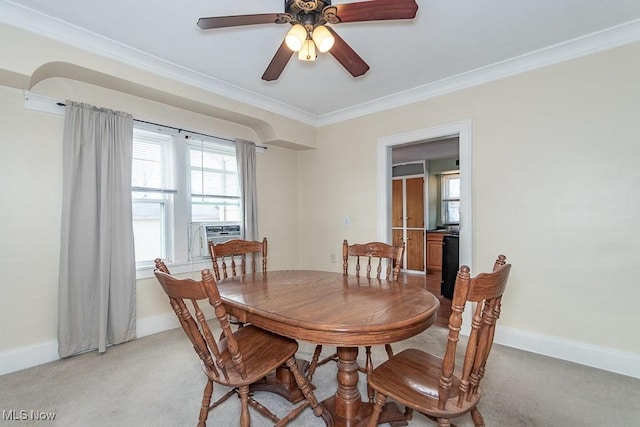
[(415, 202), (396, 236), (396, 203), (415, 250), (407, 210)]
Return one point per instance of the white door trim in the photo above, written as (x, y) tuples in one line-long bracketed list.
[(462, 129)]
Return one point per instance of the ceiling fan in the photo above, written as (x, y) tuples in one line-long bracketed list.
[(309, 32)]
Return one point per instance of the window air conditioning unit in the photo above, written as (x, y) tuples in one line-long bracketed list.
[(201, 233)]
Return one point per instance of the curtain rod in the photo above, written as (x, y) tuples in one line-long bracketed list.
[(62, 104)]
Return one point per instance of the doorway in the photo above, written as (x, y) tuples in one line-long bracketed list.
[(461, 130)]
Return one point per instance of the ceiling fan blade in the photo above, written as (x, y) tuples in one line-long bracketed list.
[(278, 62), (346, 56), (373, 10), (239, 20)]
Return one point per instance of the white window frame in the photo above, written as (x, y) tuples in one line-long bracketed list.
[(197, 252), (444, 217), (166, 190), (216, 146)]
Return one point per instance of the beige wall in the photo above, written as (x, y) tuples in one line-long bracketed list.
[(277, 171), (31, 197), (555, 172)]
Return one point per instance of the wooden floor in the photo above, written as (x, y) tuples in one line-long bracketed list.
[(433, 285)]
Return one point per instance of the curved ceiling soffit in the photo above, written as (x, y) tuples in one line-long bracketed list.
[(12, 79), (264, 130)]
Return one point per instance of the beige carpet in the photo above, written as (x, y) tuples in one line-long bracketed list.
[(157, 381)]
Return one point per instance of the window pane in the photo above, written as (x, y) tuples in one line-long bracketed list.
[(212, 209), (148, 230), (214, 183), (150, 166), (152, 169), (451, 212), (452, 187)]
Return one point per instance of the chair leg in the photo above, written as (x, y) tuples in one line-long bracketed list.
[(245, 419), (304, 387), (206, 399), (364, 369), (223, 399), (389, 350), (368, 368), (477, 417), (263, 409), (444, 422), (314, 363), (381, 399)]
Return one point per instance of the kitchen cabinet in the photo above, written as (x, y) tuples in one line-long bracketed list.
[(434, 250), (408, 219)]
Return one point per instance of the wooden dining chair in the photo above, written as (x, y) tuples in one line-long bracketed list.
[(372, 260), (426, 383), (235, 257), (238, 256), (239, 358)]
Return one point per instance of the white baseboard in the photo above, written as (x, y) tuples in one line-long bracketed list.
[(38, 354), (153, 325), (571, 351), (26, 357), (584, 354)]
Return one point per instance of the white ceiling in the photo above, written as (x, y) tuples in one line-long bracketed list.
[(446, 148), (451, 44)]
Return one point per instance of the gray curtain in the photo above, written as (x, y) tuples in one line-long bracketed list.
[(97, 297), (246, 157)]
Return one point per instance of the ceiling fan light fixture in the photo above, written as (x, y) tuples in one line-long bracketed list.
[(323, 38), (296, 37), (308, 51)]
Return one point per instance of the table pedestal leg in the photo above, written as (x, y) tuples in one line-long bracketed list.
[(346, 407), (347, 402)]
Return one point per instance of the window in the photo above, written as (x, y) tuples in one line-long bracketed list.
[(152, 195), (179, 179), (215, 196), (450, 198)]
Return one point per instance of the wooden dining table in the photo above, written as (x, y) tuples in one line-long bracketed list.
[(333, 309)]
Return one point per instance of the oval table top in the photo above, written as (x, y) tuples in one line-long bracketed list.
[(330, 308)]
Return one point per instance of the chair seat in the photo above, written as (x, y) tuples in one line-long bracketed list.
[(411, 378), (266, 351)]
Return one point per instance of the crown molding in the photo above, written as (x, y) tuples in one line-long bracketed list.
[(609, 38), (47, 26)]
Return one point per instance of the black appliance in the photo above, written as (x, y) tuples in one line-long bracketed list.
[(450, 261)]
